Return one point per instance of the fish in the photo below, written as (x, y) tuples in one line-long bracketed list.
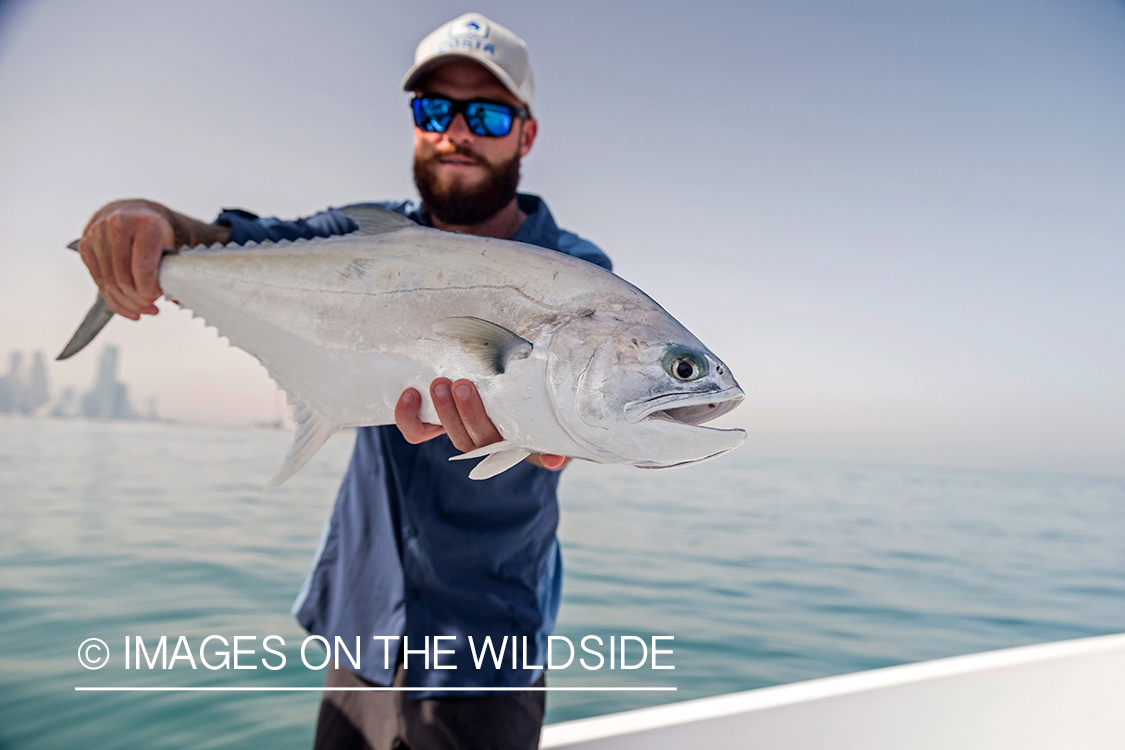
[(568, 358)]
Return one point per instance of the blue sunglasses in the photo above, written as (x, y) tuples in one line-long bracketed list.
[(490, 119)]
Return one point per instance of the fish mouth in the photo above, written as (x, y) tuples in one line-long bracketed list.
[(685, 408), (690, 461)]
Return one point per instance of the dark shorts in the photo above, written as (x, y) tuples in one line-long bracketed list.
[(378, 720)]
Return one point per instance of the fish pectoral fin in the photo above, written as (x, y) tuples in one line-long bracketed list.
[(375, 220), (501, 456), (313, 430), (96, 319), (494, 344)]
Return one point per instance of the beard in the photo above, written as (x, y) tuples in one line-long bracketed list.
[(461, 206)]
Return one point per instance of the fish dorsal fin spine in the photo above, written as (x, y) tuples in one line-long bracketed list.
[(494, 344), (375, 220)]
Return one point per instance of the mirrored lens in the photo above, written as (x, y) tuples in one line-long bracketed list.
[(489, 119), (432, 115)]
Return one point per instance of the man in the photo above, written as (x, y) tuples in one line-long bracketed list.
[(414, 548)]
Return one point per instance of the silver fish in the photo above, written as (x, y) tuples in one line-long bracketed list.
[(568, 358)]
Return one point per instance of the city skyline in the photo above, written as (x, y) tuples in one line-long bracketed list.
[(899, 224), (24, 395), (108, 398)]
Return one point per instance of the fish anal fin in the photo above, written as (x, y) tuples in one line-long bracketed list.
[(494, 344), (376, 220), (313, 430)]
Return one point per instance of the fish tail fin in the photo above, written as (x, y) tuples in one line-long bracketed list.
[(313, 429), (95, 320)]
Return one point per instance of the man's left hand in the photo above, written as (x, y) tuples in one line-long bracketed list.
[(461, 411)]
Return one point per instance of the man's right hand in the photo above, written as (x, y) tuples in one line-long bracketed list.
[(463, 418), (121, 247)]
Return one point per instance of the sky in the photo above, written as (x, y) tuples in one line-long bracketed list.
[(901, 224)]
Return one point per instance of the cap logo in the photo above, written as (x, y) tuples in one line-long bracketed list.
[(467, 34), (469, 27)]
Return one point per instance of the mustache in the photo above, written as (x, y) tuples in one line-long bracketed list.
[(456, 149)]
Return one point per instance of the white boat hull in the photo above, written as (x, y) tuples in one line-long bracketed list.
[(1068, 695)]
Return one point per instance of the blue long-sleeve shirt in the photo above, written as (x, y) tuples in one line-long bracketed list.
[(414, 547)]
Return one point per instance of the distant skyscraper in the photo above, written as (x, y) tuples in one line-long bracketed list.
[(11, 385), (37, 392), (67, 405), (109, 399)]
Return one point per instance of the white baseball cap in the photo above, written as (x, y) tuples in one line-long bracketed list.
[(476, 38)]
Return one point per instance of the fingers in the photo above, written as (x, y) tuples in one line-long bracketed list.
[(126, 233), (548, 461), (100, 274), (442, 394), (90, 258), (458, 406), (461, 412), (552, 462), (473, 416), (118, 303), (406, 417), (148, 248), (121, 248)]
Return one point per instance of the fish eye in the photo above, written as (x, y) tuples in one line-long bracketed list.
[(683, 363), (685, 367)]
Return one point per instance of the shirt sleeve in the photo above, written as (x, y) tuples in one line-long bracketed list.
[(571, 244), (247, 227)]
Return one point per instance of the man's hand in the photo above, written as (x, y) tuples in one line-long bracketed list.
[(122, 246), (463, 418)]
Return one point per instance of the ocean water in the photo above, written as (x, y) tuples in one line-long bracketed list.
[(765, 572)]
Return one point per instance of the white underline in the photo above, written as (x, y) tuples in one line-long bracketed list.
[(435, 689)]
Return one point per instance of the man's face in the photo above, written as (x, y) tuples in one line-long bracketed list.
[(465, 178)]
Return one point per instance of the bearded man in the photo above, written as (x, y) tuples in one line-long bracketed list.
[(414, 549)]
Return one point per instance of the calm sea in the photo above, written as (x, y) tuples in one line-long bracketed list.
[(765, 572)]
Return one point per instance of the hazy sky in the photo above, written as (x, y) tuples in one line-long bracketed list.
[(901, 224)]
